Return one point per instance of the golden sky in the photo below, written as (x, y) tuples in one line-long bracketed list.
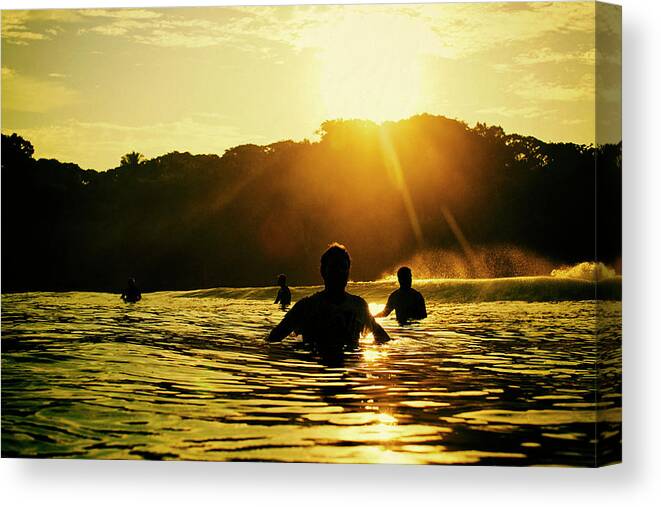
[(87, 86)]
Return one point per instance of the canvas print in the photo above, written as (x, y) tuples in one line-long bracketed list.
[(323, 234)]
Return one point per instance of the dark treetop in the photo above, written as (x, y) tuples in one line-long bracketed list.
[(182, 221)]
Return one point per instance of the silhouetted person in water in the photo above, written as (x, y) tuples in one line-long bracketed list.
[(407, 302), (131, 294), (284, 294), (331, 320)]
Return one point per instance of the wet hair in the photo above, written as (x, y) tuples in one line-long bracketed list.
[(404, 271), (333, 250)]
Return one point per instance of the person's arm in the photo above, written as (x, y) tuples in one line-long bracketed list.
[(388, 308), (423, 313), (277, 298), (380, 334), (286, 325)]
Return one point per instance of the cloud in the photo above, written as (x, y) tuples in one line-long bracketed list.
[(22, 37), (121, 13), (547, 55), (223, 26), (446, 30), (527, 112), (14, 29), (453, 31), (164, 32), (23, 27), (168, 37), (28, 94), (531, 87), (110, 30), (466, 29), (574, 121)]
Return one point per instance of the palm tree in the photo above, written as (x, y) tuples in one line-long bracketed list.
[(132, 159)]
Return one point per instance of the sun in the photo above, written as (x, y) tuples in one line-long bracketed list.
[(371, 70)]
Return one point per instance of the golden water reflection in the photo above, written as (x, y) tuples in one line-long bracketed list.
[(191, 378)]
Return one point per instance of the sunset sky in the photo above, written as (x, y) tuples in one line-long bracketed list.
[(87, 86)]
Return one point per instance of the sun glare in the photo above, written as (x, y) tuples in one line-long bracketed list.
[(376, 307), (371, 71)]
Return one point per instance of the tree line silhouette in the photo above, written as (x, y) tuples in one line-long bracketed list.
[(182, 221)]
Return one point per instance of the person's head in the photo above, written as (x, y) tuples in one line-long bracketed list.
[(405, 277), (335, 266), (131, 282), (282, 280)]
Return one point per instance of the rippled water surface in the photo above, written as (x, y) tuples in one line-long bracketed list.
[(189, 376)]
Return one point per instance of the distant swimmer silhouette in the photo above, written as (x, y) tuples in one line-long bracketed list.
[(407, 302), (332, 320), (284, 294), (131, 294)]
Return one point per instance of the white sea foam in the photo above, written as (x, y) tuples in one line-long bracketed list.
[(589, 271)]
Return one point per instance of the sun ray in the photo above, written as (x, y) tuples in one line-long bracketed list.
[(391, 160)]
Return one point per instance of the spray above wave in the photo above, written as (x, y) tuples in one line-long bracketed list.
[(590, 271), (475, 262)]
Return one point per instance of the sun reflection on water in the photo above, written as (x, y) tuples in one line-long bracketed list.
[(191, 378), (372, 354), (376, 307)]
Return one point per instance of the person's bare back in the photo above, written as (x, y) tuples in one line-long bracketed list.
[(407, 302), (331, 320)]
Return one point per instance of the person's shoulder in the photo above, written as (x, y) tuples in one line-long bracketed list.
[(303, 301), (307, 301), (300, 308), (317, 296), (394, 295), (357, 301)]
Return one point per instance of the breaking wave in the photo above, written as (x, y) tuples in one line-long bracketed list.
[(525, 288), (589, 271)]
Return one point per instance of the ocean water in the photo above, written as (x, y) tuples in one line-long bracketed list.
[(502, 372)]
